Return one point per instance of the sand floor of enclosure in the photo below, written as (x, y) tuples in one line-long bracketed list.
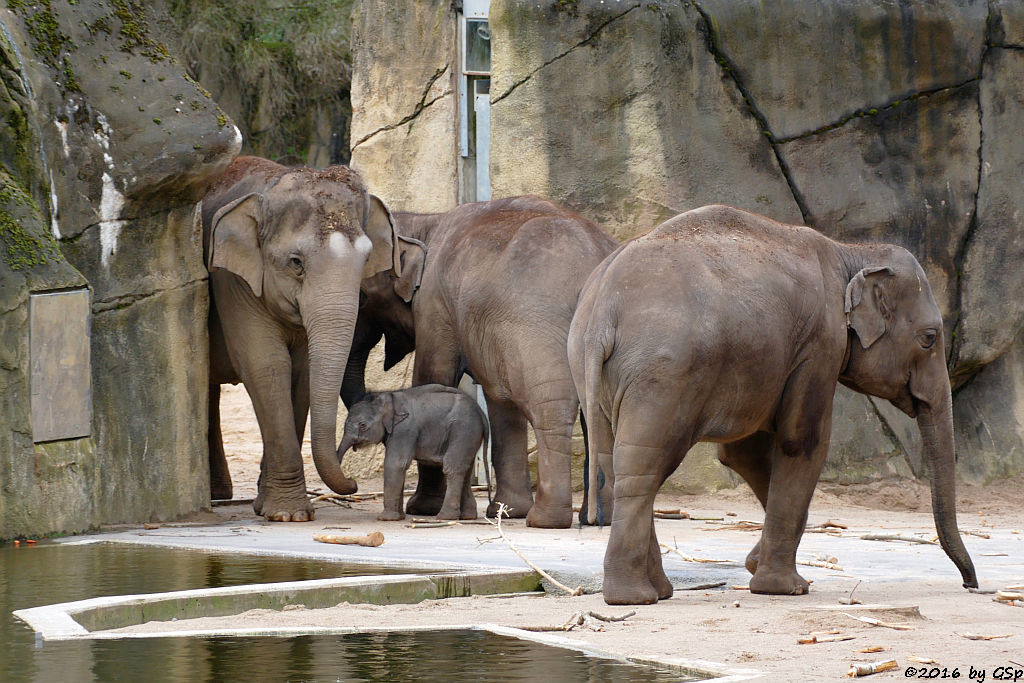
[(898, 583)]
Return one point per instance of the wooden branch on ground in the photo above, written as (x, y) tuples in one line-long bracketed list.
[(370, 540), (503, 511), (687, 558), (823, 565), (585, 619), (879, 622), (897, 537)]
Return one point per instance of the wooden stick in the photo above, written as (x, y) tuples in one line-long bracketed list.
[(873, 668), (823, 565), (704, 586), (975, 636), (1008, 595), (877, 622), (370, 540), (503, 511), (813, 640), (430, 525), (687, 558), (671, 515), (921, 660), (897, 537), (870, 649)]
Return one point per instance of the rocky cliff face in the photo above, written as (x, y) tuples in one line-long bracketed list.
[(868, 121), (108, 146)]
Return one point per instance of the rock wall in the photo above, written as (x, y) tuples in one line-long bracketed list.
[(108, 147), (890, 121)]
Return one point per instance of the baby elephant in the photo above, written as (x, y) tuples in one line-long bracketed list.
[(433, 424)]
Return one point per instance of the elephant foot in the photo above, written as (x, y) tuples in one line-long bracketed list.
[(448, 513), (391, 516), (662, 586), (278, 508), (425, 505), (516, 507), (221, 491), (778, 583), (753, 557), (469, 514), (511, 512), (549, 517), (637, 592)]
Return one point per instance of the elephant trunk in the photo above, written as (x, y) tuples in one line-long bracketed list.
[(935, 420), (329, 326)]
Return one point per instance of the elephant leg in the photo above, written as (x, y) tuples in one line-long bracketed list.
[(650, 442), (394, 485), (599, 438), (655, 569), (508, 455), (552, 422), (468, 509), (220, 478), (260, 352), (455, 484), (751, 459), (803, 440), (437, 362), (300, 388), (430, 491)]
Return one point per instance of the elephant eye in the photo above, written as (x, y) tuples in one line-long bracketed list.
[(296, 263), (927, 339), (362, 426)]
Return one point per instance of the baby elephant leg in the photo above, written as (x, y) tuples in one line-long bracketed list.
[(458, 495), (394, 483)]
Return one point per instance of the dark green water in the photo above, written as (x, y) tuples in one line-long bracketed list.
[(51, 573)]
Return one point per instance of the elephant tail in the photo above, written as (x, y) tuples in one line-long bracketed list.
[(598, 349)]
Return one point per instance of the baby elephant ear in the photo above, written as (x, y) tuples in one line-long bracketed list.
[(398, 412), (410, 257), (867, 306)]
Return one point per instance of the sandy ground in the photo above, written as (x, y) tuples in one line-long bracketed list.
[(898, 583)]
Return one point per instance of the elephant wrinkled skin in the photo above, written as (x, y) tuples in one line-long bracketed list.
[(287, 249), (489, 289), (724, 326)]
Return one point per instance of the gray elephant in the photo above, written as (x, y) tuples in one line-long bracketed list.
[(432, 424), (724, 326), (286, 249), (489, 289)]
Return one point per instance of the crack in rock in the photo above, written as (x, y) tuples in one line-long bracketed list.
[(730, 68), (583, 42), (417, 110), (123, 301), (872, 111)]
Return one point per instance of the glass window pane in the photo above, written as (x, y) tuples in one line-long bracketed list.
[(478, 46)]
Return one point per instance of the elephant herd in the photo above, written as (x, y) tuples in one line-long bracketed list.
[(718, 325)]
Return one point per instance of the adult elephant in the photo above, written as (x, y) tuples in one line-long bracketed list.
[(721, 325), (490, 288), (286, 249)]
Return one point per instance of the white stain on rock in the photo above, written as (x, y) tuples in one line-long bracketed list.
[(54, 225), (111, 199)]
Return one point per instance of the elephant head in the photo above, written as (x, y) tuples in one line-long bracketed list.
[(896, 351), (371, 420), (385, 309), (303, 240)]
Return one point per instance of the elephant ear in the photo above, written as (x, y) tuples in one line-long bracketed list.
[(867, 305), (397, 413), (380, 228), (234, 240), (410, 257)]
